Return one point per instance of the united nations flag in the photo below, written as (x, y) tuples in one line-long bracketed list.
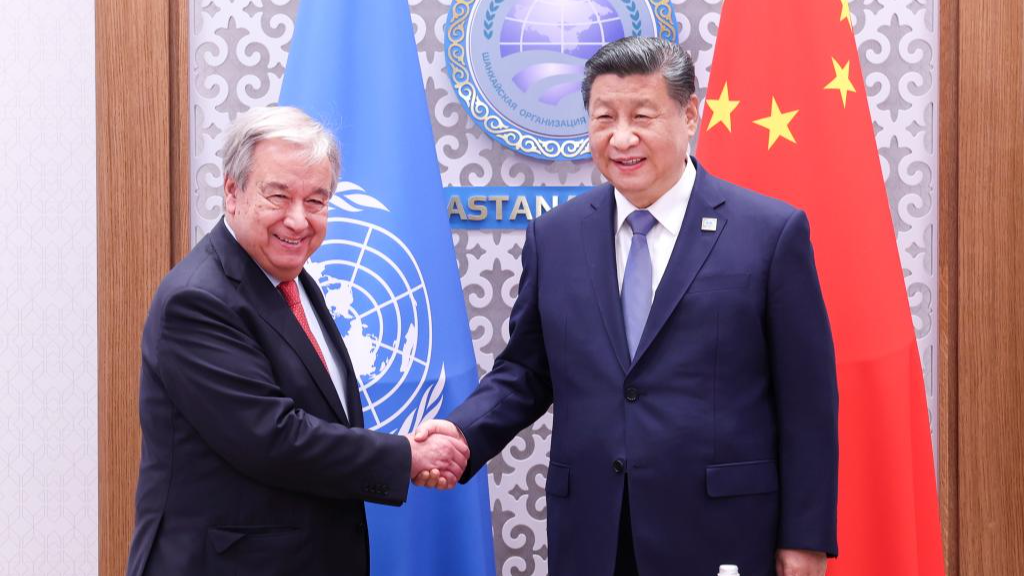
[(388, 268)]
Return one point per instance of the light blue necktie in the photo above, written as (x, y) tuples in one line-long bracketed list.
[(637, 281)]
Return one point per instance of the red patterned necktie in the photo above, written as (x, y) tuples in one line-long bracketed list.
[(290, 291)]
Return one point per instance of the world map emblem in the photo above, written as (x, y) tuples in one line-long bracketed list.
[(375, 292), (517, 65)]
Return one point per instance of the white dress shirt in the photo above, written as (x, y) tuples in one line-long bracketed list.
[(669, 211), (337, 378)]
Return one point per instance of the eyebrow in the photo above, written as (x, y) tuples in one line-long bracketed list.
[(634, 102), (274, 185), (284, 187)]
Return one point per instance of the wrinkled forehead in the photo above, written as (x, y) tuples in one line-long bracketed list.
[(285, 166)]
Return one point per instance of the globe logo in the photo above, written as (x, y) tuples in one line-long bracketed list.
[(517, 65), (375, 292), (572, 29)]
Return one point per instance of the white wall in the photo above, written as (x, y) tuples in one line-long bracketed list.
[(48, 460)]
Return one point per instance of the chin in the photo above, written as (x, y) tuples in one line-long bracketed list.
[(287, 271), (632, 182), (630, 190)]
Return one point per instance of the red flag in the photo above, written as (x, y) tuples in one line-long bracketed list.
[(786, 114)]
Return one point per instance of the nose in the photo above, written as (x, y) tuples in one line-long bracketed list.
[(623, 136), (295, 216)]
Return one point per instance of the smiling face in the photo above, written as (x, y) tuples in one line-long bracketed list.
[(639, 135), (280, 218)]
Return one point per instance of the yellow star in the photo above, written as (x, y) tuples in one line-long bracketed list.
[(845, 13), (842, 80), (721, 109), (777, 124)]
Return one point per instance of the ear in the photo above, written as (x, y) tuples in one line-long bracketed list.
[(231, 192), (691, 115)]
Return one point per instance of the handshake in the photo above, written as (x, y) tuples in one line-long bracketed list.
[(439, 454)]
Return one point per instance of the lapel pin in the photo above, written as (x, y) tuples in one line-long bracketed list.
[(708, 224)]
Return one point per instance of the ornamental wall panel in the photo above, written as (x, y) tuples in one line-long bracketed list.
[(238, 55)]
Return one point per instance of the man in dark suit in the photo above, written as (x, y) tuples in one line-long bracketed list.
[(676, 323), (254, 459)]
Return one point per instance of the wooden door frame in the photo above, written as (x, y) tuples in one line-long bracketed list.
[(981, 272), (142, 225), (949, 67)]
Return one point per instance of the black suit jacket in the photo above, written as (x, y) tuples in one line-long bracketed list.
[(249, 463)]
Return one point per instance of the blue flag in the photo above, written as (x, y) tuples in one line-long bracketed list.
[(388, 268)]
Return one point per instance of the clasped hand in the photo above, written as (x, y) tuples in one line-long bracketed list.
[(439, 454)]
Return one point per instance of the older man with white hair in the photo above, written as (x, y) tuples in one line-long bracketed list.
[(254, 459)]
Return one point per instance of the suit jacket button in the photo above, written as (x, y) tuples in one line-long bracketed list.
[(618, 466), (632, 394)]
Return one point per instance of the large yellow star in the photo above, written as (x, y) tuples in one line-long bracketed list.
[(721, 109), (845, 13), (777, 124), (842, 80)]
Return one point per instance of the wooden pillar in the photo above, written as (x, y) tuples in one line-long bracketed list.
[(142, 211), (982, 252), (949, 84)]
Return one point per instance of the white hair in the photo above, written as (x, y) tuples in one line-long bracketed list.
[(277, 123)]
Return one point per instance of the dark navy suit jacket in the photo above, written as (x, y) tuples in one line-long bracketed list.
[(250, 466), (725, 423)]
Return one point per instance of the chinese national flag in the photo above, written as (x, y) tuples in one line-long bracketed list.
[(786, 115)]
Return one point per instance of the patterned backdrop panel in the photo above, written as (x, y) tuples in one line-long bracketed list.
[(238, 54)]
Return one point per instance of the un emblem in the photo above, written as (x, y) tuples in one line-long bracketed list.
[(375, 291), (517, 65)]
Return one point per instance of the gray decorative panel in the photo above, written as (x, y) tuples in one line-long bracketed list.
[(899, 51), (238, 54)]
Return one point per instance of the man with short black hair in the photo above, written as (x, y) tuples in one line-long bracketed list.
[(675, 322)]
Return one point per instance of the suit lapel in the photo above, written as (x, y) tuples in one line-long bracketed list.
[(693, 245), (256, 289), (598, 229), (272, 307), (351, 384)]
